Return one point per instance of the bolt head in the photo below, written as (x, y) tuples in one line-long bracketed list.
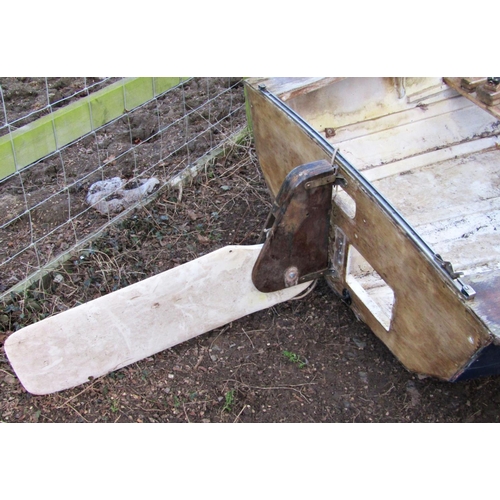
[(291, 276)]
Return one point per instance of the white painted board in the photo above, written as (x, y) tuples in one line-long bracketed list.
[(113, 331)]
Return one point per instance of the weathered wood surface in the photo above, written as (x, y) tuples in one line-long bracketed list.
[(471, 93), (287, 88), (487, 286), (275, 134), (434, 155), (140, 320), (45, 135), (433, 330)]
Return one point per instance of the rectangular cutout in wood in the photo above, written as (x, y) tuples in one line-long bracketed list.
[(369, 287)]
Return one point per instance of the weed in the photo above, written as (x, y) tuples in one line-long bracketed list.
[(294, 358), (118, 375), (114, 405), (228, 405)]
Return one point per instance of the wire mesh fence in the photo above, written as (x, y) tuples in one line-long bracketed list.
[(55, 204)]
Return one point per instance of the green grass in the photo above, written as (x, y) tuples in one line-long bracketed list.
[(228, 405), (294, 358), (115, 405)]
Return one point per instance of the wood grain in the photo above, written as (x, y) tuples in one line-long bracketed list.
[(140, 320), (433, 330), (456, 83)]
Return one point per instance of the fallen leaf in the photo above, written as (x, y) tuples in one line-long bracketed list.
[(203, 239), (192, 215)]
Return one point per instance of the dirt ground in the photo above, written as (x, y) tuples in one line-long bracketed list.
[(308, 360), (156, 140)]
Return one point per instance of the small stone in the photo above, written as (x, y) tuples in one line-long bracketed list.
[(203, 239), (359, 343), (192, 215), (412, 390), (364, 377), (58, 278), (9, 379)]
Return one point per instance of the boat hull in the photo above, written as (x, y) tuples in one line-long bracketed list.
[(421, 202)]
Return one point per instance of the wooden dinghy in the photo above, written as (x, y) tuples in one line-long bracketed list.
[(414, 244)]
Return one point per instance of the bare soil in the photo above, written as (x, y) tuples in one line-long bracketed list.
[(43, 210), (308, 360)]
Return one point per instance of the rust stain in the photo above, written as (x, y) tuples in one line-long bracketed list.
[(329, 132), (299, 236)]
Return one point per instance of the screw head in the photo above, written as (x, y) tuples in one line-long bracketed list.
[(291, 276)]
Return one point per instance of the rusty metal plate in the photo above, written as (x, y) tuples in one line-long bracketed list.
[(296, 248)]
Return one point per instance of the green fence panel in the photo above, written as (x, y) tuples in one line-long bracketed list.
[(45, 135)]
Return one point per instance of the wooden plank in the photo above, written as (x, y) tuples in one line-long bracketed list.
[(390, 144), (7, 162), (418, 161), (470, 83), (136, 92), (456, 83), (34, 143), (74, 121), (107, 106), (454, 205), (162, 84), (45, 135), (140, 320), (287, 88)]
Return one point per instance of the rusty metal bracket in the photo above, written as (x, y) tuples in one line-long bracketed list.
[(466, 290), (297, 230)]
